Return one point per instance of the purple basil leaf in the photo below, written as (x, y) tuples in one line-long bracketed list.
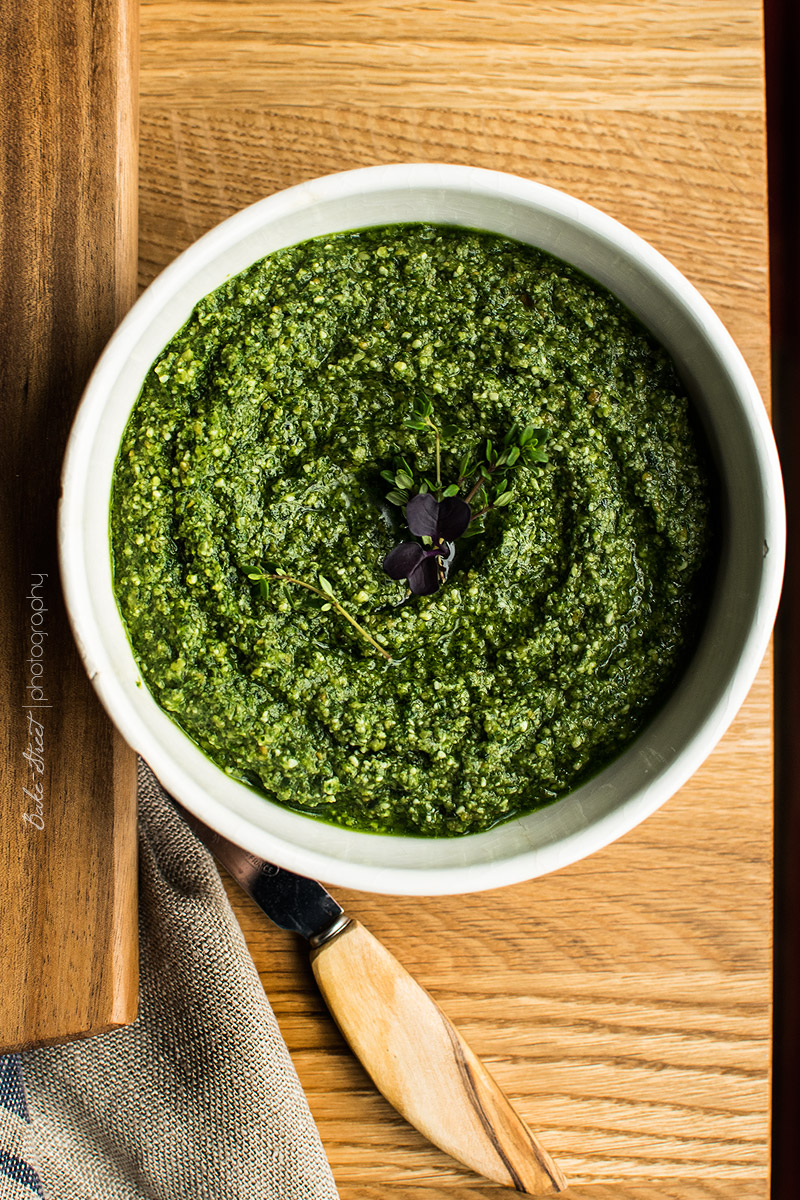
[(402, 560), (422, 513), (424, 579), (454, 517)]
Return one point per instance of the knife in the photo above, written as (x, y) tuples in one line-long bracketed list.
[(414, 1056)]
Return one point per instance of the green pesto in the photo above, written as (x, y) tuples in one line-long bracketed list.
[(259, 438)]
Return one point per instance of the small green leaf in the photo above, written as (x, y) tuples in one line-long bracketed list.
[(513, 455), (508, 439), (404, 480), (504, 499), (263, 589), (526, 435), (501, 487), (396, 498), (326, 608), (388, 476), (488, 450), (464, 465), (423, 489), (405, 466), (452, 490), (255, 574), (326, 586)]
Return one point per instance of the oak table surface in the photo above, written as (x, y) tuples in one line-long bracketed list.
[(624, 1002)]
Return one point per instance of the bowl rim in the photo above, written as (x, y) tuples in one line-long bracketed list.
[(531, 861)]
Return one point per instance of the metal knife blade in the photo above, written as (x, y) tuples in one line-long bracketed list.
[(291, 901)]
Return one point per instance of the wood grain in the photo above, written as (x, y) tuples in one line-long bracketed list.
[(421, 1064), (68, 265), (622, 1003), (454, 54)]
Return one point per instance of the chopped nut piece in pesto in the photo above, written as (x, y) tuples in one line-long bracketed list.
[(261, 436)]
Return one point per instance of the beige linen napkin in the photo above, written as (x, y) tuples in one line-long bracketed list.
[(199, 1098)]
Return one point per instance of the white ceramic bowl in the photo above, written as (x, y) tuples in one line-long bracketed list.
[(742, 609)]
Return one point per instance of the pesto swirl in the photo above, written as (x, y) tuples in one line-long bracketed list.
[(259, 438)]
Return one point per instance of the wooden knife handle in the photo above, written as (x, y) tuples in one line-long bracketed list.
[(423, 1066), (68, 263)]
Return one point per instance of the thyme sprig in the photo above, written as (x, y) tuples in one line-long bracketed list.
[(482, 476), (422, 418), (489, 474), (522, 445), (325, 591)]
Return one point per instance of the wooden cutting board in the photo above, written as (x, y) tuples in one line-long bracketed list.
[(624, 1003), (68, 128)]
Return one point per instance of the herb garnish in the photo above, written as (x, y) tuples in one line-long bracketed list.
[(439, 515), (438, 521), (325, 591)]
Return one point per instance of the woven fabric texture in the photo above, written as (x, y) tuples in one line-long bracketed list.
[(199, 1098)]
